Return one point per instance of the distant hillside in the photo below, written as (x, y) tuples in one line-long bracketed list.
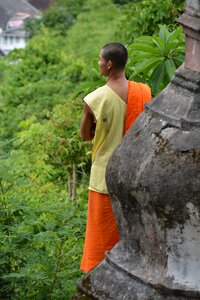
[(95, 26)]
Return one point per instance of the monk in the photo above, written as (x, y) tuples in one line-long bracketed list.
[(108, 113)]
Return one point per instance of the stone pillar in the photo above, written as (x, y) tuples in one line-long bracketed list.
[(191, 24), (154, 181)]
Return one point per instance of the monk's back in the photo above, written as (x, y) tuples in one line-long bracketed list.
[(120, 87)]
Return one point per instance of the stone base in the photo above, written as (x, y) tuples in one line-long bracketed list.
[(153, 179), (100, 284)]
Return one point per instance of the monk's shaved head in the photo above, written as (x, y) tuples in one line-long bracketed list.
[(117, 53)]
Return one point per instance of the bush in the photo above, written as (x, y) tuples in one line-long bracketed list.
[(143, 17), (41, 231), (155, 58)]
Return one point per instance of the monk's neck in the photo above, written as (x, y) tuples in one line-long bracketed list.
[(116, 78), (119, 84)]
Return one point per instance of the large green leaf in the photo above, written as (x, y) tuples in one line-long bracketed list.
[(175, 35), (159, 43), (147, 65), (158, 56), (171, 47), (145, 48), (144, 39), (141, 56), (170, 68), (157, 77), (163, 33), (178, 60)]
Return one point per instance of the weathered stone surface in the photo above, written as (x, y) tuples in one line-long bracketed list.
[(153, 179), (156, 190), (154, 182)]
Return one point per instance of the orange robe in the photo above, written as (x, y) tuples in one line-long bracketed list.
[(101, 231)]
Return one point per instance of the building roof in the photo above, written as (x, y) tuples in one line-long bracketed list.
[(10, 8), (15, 33), (2, 53), (4, 17), (40, 4)]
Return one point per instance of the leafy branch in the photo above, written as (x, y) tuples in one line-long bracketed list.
[(155, 58)]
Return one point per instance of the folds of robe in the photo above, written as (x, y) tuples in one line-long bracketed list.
[(101, 231)]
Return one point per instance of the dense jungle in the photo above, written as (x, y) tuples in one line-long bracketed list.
[(44, 164)]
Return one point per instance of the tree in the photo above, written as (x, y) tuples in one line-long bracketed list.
[(143, 17), (59, 17), (155, 58)]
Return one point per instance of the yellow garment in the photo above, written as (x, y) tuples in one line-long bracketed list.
[(109, 110)]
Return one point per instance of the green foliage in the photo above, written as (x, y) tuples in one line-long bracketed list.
[(34, 83), (155, 58), (41, 231), (57, 140), (72, 6), (41, 91), (123, 2), (47, 71), (59, 17), (95, 26), (143, 17)]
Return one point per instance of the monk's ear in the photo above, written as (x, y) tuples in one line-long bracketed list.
[(109, 64)]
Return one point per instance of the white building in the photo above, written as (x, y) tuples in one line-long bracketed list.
[(12, 17), (12, 39)]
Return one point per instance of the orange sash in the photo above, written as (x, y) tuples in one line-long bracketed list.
[(138, 94), (101, 230)]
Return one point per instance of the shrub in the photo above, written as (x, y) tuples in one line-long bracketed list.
[(155, 58)]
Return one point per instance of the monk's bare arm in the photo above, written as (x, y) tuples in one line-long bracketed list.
[(87, 127)]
